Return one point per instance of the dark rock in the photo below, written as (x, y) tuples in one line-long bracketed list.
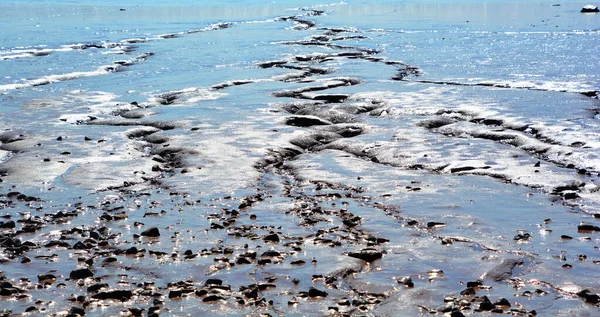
[(175, 294), (213, 281), (271, 238), (331, 98), (77, 311), (367, 255), (585, 227), (313, 292), (57, 243), (271, 253), (7, 225), (121, 295), (589, 296), (131, 251), (486, 306), (406, 281), (305, 121), (468, 291), (433, 224), (151, 232), (474, 284), (589, 9), (502, 302), (242, 260), (96, 287), (462, 169), (81, 273), (46, 277), (136, 312), (212, 298), (298, 262), (569, 195), (521, 237)]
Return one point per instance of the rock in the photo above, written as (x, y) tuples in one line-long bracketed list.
[(468, 291), (136, 312), (271, 238), (151, 232), (212, 298), (313, 292), (434, 224), (96, 287), (7, 225), (305, 121), (589, 9), (586, 227), (486, 305), (80, 274), (131, 251), (503, 270), (502, 302), (122, 295), (474, 284), (589, 296), (213, 281), (46, 277), (175, 294), (522, 237), (406, 281), (367, 255), (77, 311), (271, 253), (242, 260)]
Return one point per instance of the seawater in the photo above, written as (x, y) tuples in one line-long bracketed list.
[(481, 111)]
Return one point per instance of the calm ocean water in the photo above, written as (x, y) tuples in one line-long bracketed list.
[(480, 115)]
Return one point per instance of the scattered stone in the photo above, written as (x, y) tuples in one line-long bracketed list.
[(406, 281), (175, 294), (77, 311), (313, 292), (121, 295), (433, 224), (468, 291), (46, 277), (274, 238), (587, 228), (213, 281), (151, 232), (367, 255), (81, 274)]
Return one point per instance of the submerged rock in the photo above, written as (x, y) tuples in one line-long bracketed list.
[(503, 270)]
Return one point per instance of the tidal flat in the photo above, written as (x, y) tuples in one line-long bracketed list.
[(300, 159)]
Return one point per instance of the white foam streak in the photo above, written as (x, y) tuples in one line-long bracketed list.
[(49, 79)]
